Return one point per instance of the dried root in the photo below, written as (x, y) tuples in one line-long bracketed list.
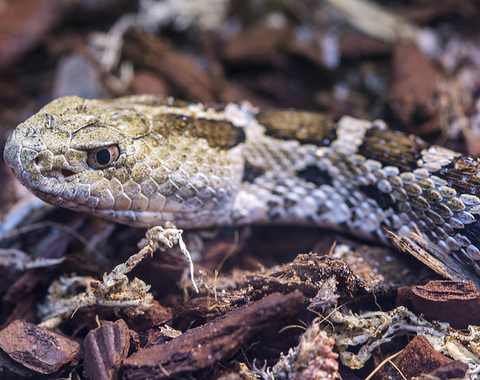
[(115, 290)]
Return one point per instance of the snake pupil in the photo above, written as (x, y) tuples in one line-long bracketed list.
[(103, 157)]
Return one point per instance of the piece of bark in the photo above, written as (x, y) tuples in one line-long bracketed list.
[(321, 278), (204, 346), (453, 370), (413, 92), (455, 302), (308, 274), (10, 369), (40, 350), (105, 349), (148, 325), (259, 44), (417, 357), (179, 70), (326, 296)]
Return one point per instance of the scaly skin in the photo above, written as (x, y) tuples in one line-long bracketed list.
[(200, 166)]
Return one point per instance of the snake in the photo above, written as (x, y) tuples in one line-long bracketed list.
[(145, 160)]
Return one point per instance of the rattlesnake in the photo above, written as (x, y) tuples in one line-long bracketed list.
[(145, 160)]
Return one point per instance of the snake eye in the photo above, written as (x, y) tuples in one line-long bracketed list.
[(103, 158), (181, 122)]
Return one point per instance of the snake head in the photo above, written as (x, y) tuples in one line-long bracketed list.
[(136, 160), (56, 152)]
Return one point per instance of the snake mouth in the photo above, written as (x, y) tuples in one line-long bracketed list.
[(67, 173)]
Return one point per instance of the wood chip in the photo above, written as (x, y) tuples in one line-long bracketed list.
[(205, 346), (42, 351), (105, 349)]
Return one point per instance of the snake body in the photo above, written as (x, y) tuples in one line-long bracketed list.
[(144, 160)]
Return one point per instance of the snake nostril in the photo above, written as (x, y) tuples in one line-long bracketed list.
[(38, 160), (67, 173)]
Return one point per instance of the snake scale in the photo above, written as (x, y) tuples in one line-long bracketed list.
[(144, 160)]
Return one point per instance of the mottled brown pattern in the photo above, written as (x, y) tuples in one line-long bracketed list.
[(463, 175), (392, 148), (306, 127), (218, 133)]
